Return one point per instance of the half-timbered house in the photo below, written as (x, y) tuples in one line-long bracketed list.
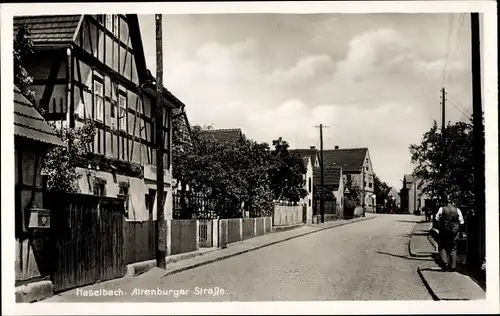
[(93, 67)]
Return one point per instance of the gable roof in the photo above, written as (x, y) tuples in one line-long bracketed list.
[(50, 30), (332, 177), (29, 123), (408, 178), (224, 135), (311, 153), (350, 159)]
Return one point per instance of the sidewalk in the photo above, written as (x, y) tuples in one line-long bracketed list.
[(442, 285), (207, 258)]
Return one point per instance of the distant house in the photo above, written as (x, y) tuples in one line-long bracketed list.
[(308, 186), (357, 168), (93, 68), (332, 182), (225, 135), (312, 153), (393, 194), (412, 197), (33, 137)]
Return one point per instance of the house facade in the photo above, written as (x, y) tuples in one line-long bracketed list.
[(357, 169), (412, 197), (93, 68), (334, 184), (309, 187)]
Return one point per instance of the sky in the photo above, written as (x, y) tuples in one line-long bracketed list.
[(373, 79)]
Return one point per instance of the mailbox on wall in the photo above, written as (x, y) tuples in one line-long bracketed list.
[(39, 218)]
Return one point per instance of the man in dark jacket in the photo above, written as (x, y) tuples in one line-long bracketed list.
[(449, 219)]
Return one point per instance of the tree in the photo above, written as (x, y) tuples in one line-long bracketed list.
[(381, 190), (234, 174), (455, 178), (286, 173), (60, 163), (23, 49)]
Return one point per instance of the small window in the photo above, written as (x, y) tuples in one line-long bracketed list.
[(309, 185), (98, 100), (123, 192), (309, 202), (370, 184), (150, 199), (99, 188)]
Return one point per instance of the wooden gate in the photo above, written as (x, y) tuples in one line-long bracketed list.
[(206, 233), (87, 239)]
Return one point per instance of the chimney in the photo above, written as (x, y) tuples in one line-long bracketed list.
[(336, 147), (313, 147)]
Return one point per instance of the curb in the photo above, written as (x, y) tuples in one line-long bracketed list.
[(33, 292), (257, 247), (138, 268), (409, 245), (429, 288), (286, 228)]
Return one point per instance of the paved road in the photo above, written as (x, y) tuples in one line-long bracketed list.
[(360, 261)]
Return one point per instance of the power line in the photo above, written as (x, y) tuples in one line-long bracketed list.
[(468, 116), (458, 102), (447, 51), (457, 43)]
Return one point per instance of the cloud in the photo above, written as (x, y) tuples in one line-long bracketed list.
[(306, 68), (378, 92)]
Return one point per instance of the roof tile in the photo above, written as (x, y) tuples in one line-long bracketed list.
[(55, 28), (350, 159), (331, 177), (29, 123)]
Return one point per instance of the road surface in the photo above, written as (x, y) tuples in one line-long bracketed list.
[(368, 260)]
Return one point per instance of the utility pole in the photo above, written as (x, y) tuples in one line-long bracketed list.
[(321, 197), (478, 131), (443, 138), (160, 144), (363, 186)]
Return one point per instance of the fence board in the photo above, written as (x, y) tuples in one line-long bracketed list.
[(183, 236), (248, 228), (260, 228), (139, 243), (233, 230)]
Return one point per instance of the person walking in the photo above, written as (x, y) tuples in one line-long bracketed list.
[(449, 219)]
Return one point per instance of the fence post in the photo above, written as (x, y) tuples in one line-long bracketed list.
[(168, 238), (215, 233), (255, 227), (197, 234), (241, 228)]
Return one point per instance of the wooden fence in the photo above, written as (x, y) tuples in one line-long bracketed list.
[(139, 241), (86, 239), (184, 236), (233, 230), (248, 227), (288, 215), (268, 224), (260, 228)]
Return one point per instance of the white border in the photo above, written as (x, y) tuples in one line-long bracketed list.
[(490, 97)]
